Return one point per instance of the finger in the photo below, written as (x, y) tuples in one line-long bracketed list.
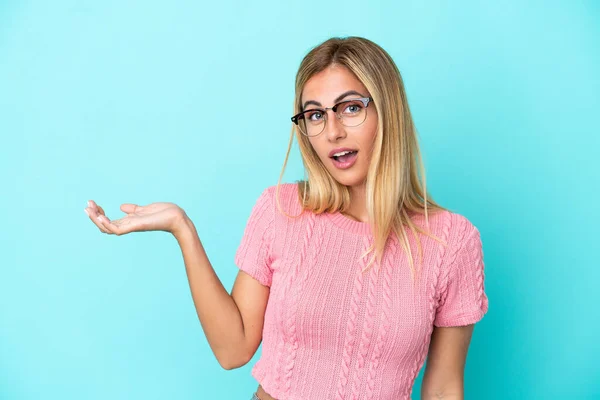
[(107, 225), (130, 208), (119, 226), (94, 206), (93, 214)]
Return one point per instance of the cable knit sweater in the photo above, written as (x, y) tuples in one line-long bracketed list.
[(332, 332)]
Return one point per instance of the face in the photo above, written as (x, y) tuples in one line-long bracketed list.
[(331, 86)]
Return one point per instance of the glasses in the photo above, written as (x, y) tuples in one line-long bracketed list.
[(349, 112)]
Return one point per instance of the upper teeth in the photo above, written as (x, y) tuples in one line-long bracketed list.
[(342, 153)]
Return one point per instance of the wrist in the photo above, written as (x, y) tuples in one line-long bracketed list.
[(182, 226)]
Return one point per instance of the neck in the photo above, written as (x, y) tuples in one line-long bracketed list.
[(358, 204)]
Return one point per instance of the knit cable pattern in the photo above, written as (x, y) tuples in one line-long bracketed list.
[(298, 278), (475, 248), (368, 324), (333, 331), (351, 326), (462, 229), (431, 303), (385, 321)]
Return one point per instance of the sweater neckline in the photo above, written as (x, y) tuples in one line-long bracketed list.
[(362, 228), (349, 224)]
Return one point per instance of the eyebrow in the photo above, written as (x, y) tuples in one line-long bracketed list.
[(337, 99)]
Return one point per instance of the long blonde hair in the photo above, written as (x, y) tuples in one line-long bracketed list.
[(394, 190)]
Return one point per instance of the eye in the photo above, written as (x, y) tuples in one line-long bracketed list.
[(314, 116), (353, 107)]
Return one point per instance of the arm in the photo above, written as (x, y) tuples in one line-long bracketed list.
[(232, 323), (444, 373)]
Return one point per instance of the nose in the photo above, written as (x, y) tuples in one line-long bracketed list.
[(334, 130)]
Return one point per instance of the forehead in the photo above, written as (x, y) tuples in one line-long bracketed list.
[(325, 86)]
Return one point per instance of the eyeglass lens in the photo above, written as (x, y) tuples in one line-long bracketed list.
[(349, 113)]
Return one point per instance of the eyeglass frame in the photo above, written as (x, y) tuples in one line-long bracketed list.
[(365, 100)]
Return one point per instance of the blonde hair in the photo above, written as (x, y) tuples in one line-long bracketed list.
[(394, 191)]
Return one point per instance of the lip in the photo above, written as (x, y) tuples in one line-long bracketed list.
[(343, 165), (332, 152)]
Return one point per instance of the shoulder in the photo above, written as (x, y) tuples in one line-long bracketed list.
[(463, 241), (456, 232), (284, 197), (462, 229), (445, 224), (285, 189)]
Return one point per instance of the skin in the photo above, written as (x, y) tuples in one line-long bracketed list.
[(233, 323), (325, 88)]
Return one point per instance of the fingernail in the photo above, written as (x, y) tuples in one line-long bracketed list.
[(99, 218), (89, 204), (86, 211)]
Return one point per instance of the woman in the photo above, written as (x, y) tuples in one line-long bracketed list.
[(351, 278)]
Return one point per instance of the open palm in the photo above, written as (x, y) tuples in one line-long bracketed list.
[(153, 217)]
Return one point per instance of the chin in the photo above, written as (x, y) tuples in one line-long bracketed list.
[(349, 180), (355, 176)]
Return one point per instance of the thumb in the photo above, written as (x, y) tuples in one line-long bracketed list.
[(129, 208)]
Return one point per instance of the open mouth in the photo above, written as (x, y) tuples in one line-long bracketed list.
[(344, 156), (344, 159)]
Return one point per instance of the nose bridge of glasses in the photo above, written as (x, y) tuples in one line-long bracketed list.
[(334, 109), (335, 127)]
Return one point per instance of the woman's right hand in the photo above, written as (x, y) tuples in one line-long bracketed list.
[(153, 217)]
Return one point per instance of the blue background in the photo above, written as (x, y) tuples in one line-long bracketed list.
[(189, 102)]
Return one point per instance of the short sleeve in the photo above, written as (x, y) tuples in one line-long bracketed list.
[(253, 255), (463, 300)]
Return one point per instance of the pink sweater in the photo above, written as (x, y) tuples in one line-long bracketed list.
[(331, 332)]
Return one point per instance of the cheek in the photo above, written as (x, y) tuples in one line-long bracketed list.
[(316, 145)]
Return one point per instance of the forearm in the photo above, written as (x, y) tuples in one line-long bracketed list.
[(447, 394), (218, 313), (425, 396)]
